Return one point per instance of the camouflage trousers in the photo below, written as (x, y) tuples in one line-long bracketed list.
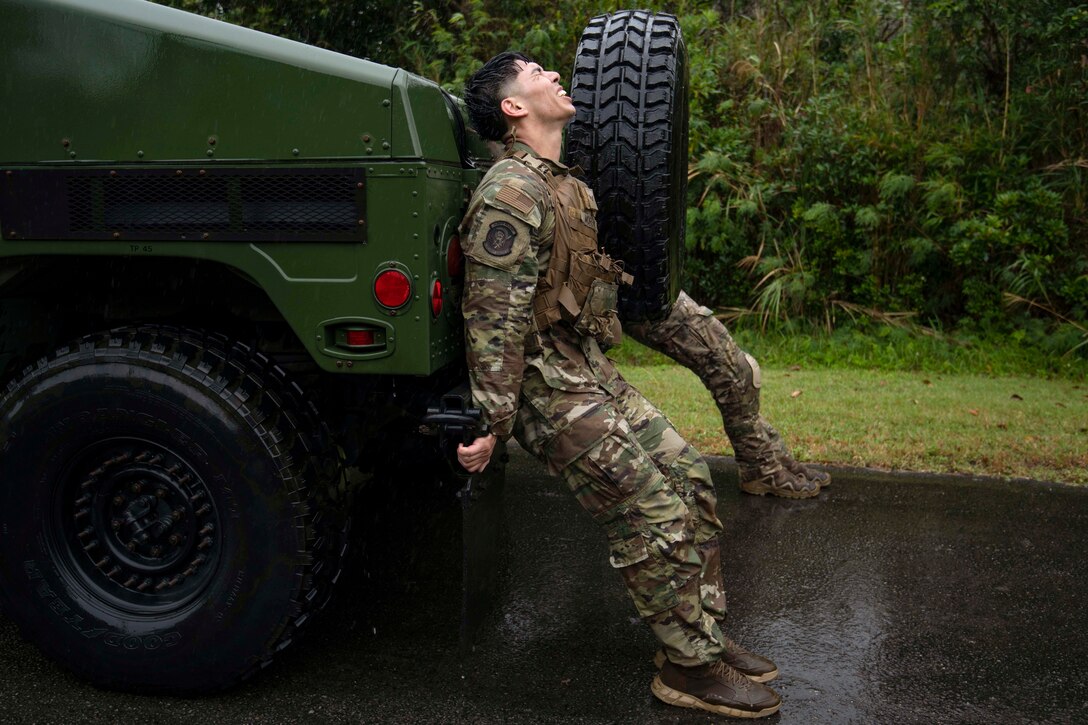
[(693, 337), (651, 492)]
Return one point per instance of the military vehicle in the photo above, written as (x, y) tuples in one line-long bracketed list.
[(229, 282)]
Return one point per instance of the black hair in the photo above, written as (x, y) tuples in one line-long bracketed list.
[(485, 90)]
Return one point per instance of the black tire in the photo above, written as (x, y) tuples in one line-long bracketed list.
[(163, 526), (630, 136)]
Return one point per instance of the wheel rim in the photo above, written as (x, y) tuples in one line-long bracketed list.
[(136, 526)]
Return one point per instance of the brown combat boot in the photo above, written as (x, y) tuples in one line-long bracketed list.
[(714, 687), (800, 469), (780, 483), (756, 668)]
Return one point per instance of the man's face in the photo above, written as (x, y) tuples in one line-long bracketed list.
[(538, 92)]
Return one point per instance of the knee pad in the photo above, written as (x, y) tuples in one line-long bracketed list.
[(750, 370)]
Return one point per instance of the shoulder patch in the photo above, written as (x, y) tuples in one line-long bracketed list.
[(500, 238)]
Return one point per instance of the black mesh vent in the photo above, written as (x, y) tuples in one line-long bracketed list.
[(80, 204), (310, 203), (148, 203), (260, 204)]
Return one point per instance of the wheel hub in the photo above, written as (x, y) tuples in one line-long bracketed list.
[(139, 523)]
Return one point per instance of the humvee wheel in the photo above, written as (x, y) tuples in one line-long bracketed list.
[(162, 527), (630, 136)]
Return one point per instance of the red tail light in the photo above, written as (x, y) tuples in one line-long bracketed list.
[(455, 257), (359, 338), (392, 288), (436, 298)]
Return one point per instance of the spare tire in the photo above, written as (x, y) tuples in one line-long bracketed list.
[(630, 137)]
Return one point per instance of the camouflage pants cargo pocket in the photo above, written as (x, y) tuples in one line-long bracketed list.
[(679, 461), (651, 544)]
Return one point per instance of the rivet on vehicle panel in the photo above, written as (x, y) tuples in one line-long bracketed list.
[(113, 173), (369, 150), (211, 140), (362, 222), (205, 235), (202, 172), (210, 153), (65, 143), (339, 363), (71, 154), (385, 145), (385, 102), (366, 138), (140, 154), (294, 152), (351, 364), (117, 235), (358, 185), (179, 172)]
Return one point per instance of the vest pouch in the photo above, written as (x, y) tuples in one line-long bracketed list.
[(599, 318)]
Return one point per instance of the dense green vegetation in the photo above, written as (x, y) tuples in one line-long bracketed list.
[(850, 160)]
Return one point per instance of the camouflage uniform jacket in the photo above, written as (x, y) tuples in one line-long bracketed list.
[(507, 235)]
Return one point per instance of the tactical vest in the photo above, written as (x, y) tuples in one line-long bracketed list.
[(581, 283)]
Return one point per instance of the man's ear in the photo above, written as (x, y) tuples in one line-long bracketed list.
[(512, 108)]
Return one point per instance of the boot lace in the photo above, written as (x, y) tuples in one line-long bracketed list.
[(730, 675)]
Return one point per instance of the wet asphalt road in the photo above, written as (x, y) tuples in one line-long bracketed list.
[(910, 600)]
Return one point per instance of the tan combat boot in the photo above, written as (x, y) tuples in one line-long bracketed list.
[(782, 483), (756, 668), (797, 468), (714, 687)]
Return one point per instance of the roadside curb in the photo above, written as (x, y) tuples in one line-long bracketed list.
[(856, 474)]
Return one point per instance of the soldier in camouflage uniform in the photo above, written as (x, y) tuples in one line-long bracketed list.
[(539, 301), (691, 335)]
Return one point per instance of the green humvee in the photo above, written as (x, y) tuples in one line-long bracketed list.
[(229, 273)]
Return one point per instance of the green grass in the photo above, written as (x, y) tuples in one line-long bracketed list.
[(1014, 426), (881, 347)]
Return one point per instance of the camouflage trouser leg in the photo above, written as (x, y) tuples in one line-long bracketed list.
[(693, 337), (651, 532), (689, 477)]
